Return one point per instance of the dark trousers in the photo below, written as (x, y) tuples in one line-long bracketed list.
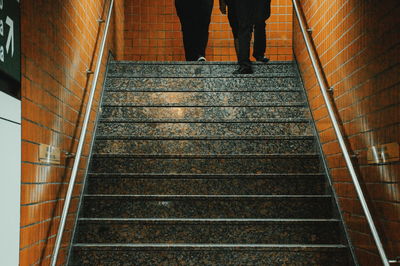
[(263, 12), (244, 16), (195, 17)]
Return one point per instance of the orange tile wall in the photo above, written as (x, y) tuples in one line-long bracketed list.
[(358, 43), (153, 32), (59, 39)]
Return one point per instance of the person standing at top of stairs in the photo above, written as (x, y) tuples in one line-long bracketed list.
[(195, 17), (264, 12), (244, 16)]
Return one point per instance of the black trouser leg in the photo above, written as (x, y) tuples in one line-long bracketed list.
[(184, 9), (234, 23), (246, 16), (263, 12), (203, 23), (195, 17), (259, 40), (232, 17)]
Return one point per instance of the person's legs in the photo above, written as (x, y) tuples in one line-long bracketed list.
[(245, 13), (203, 18), (234, 23), (259, 40), (184, 9), (263, 12), (232, 17)]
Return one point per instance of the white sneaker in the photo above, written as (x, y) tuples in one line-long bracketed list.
[(201, 59)]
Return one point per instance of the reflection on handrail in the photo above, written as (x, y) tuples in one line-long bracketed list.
[(81, 142), (325, 91)]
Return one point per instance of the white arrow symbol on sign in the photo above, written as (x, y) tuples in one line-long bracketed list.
[(10, 38)]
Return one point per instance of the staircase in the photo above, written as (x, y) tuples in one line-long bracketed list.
[(195, 166)]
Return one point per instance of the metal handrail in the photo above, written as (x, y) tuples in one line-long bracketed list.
[(325, 91), (81, 142)]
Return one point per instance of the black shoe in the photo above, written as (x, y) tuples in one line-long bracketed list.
[(262, 59), (243, 70)]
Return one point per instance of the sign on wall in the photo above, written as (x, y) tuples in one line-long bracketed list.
[(10, 45)]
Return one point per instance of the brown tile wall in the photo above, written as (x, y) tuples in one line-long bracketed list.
[(59, 39), (152, 32), (358, 43)]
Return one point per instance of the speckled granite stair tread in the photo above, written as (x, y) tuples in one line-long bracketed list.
[(165, 185), (205, 156), (201, 98), (215, 105), (205, 113), (200, 74), (207, 165), (207, 206), (117, 69), (186, 120), (123, 87), (257, 256), (240, 83), (195, 166), (209, 232), (206, 137), (204, 129), (238, 146), (224, 175)]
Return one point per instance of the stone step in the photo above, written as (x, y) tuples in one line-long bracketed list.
[(169, 254), (209, 231), (286, 127), (233, 83), (206, 164), (119, 254), (204, 113), (133, 98), (238, 146), (206, 206), (183, 69), (306, 184)]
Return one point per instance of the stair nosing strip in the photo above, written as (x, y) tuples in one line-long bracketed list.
[(205, 137), (182, 121), (206, 196), (206, 220), (213, 245), (207, 76), (269, 89), (205, 63), (142, 175), (109, 88), (204, 156), (179, 105), (202, 75)]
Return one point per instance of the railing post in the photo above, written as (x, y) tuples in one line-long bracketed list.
[(80, 143)]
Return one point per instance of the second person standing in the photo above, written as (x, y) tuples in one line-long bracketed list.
[(195, 17)]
